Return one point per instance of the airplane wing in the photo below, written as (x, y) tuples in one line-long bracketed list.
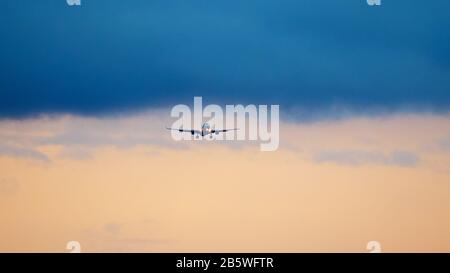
[(224, 130), (181, 130)]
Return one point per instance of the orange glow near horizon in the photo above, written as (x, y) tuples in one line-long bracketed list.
[(121, 184)]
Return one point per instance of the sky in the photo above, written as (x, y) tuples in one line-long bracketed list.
[(110, 56), (364, 152)]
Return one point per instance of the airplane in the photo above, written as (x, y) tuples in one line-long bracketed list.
[(206, 130)]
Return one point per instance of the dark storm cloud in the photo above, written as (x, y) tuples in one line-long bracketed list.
[(114, 55)]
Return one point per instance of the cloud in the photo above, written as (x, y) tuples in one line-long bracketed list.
[(403, 158), (76, 137), (445, 143), (359, 157), (82, 134), (310, 54), (112, 228), (353, 141), (23, 152), (121, 237)]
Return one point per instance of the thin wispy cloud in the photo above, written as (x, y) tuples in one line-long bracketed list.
[(346, 142), (23, 152), (355, 157)]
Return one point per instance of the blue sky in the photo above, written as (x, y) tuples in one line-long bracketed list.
[(110, 56)]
